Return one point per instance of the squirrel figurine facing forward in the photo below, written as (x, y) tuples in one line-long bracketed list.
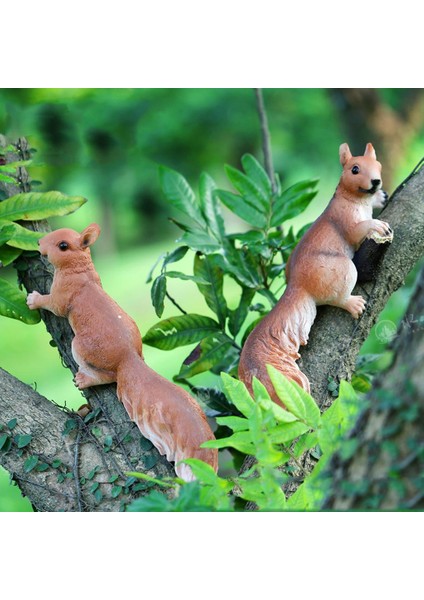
[(319, 271), (107, 347)]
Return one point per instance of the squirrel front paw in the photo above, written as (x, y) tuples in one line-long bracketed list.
[(380, 199), (380, 227), (380, 232), (34, 300)]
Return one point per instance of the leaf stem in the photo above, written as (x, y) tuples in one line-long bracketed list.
[(175, 303)]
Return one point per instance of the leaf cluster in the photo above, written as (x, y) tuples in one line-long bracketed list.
[(276, 437), (254, 258), (16, 238)]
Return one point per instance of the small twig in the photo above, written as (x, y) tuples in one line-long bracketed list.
[(175, 303), (76, 471), (266, 139)]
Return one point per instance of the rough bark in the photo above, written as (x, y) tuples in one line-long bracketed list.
[(125, 449), (385, 470)]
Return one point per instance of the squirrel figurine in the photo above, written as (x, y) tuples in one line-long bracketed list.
[(107, 347), (319, 271)]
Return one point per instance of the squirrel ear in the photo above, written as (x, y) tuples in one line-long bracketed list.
[(369, 151), (345, 154), (89, 235)]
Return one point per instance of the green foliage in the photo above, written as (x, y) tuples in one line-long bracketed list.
[(255, 259), (15, 238), (276, 437)]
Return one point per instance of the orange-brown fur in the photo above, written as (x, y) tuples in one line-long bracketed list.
[(107, 347), (320, 271)]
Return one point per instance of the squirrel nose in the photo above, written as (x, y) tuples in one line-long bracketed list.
[(375, 182)]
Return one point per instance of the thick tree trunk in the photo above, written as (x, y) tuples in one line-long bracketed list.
[(385, 471), (117, 443)]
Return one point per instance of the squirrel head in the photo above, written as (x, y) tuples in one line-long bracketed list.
[(361, 174), (65, 247)]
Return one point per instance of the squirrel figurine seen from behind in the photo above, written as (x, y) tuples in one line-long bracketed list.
[(320, 271), (107, 347)]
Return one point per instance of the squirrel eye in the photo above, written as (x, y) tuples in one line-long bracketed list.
[(63, 246), (355, 170)]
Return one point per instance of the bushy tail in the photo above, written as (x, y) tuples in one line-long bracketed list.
[(166, 415), (276, 341)]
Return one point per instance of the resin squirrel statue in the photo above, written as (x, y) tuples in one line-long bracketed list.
[(107, 347), (319, 271)]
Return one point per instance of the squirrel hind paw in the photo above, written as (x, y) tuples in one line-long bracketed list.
[(355, 305)]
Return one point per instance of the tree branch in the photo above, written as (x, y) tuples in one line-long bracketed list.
[(266, 138)]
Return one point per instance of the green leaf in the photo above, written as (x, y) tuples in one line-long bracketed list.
[(238, 205), (242, 266), (13, 304), (257, 174), (179, 193), (175, 255), (251, 193), (23, 440), (235, 423), (21, 237), (7, 179), (305, 442), (213, 401), (12, 424), (4, 438), (297, 401), (241, 440), (6, 231), (34, 206), (237, 392), (210, 207), (212, 352), (202, 471), (184, 277), (238, 316), (70, 425), (12, 166), (158, 293), (108, 441), (287, 432), (8, 255), (201, 242), (207, 269), (339, 418), (180, 331), (30, 463), (116, 490), (293, 201)]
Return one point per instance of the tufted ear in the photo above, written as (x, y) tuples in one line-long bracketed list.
[(345, 154), (89, 235), (369, 151)]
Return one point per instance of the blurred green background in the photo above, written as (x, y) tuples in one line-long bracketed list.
[(106, 144)]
